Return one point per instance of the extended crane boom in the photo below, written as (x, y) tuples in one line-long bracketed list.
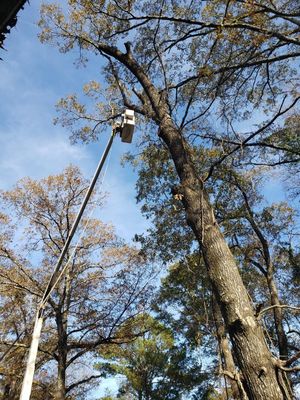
[(125, 128)]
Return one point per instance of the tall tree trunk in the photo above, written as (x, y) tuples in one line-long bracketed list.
[(252, 354), (249, 346)]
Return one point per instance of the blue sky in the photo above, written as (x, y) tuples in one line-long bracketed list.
[(33, 77)]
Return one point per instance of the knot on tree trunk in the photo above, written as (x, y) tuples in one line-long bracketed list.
[(262, 372), (177, 192), (237, 327)]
